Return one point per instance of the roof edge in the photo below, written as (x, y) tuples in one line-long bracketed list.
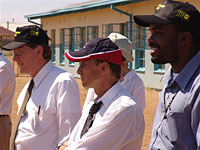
[(82, 8)]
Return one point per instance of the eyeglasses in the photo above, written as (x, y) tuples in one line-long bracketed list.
[(22, 52)]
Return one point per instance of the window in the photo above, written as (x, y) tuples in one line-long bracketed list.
[(159, 68), (62, 39), (139, 44), (67, 44), (53, 44), (80, 37), (105, 30), (72, 38), (92, 32), (140, 60), (113, 27)]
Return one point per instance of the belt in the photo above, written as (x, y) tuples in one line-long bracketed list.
[(4, 115)]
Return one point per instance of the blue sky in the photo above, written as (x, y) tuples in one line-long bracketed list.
[(16, 9)]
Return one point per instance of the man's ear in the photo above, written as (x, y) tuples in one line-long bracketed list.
[(104, 66), (39, 50), (185, 38)]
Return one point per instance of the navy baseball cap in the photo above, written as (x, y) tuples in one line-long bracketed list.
[(27, 34), (180, 14), (100, 48)]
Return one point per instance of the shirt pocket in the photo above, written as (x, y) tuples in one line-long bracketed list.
[(38, 115), (174, 126)]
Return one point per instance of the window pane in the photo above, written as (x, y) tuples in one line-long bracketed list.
[(79, 37), (159, 67), (92, 32), (53, 44), (139, 44), (113, 27)]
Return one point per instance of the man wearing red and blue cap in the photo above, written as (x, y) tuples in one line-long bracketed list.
[(112, 120), (175, 34)]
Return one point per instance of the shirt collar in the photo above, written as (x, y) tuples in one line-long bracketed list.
[(129, 75), (42, 73), (109, 96), (185, 75), (188, 71)]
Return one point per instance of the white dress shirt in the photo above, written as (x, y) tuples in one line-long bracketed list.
[(7, 85), (51, 112), (135, 86), (131, 83), (118, 125)]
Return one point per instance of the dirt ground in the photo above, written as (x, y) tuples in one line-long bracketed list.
[(151, 103)]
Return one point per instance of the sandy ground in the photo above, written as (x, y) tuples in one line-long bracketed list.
[(151, 103)]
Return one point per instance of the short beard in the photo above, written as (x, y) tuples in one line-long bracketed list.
[(170, 49)]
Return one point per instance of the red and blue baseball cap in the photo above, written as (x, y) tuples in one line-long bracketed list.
[(99, 48), (180, 14)]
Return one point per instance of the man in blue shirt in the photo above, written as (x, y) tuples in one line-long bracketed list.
[(175, 34)]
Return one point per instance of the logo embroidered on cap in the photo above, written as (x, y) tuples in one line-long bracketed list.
[(183, 15), (17, 32), (86, 44), (160, 6), (32, 32)]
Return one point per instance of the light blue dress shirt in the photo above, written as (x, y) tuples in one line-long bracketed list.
[(180, 129)]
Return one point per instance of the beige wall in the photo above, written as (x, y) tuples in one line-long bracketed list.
[(7, 37), (106, 16), (101, 16)]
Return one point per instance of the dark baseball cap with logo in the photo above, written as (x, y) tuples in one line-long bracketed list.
[(180, 14), (31, 34), (99, 48)]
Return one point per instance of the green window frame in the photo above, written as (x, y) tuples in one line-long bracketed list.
[(61, 60), (80, 37), (140, 59), (112, 27), (53, 45), (67, 44), (72, 38), (139, 44), (160, 68), (92, 32)]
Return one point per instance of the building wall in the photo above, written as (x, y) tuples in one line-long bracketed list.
[(7, 37), (106, 16)]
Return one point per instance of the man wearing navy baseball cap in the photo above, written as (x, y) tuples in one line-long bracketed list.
[(49, 104), (175, 34), (112, 120)]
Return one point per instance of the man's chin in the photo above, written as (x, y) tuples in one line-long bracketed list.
[(157, 61), (84, 86)]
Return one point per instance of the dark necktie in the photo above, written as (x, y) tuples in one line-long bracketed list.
[(23, 106), (90, 119)]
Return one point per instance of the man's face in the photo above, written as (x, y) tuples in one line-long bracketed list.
[(89, 71), (24, 56), (163, 42)]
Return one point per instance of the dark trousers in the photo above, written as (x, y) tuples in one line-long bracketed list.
[(5, 131)]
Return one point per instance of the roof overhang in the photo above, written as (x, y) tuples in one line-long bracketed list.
[(91, 5)]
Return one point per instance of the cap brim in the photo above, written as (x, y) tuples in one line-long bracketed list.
[(13, 45), (146, 20), (128, 57), (77, 56), (114, 56)]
